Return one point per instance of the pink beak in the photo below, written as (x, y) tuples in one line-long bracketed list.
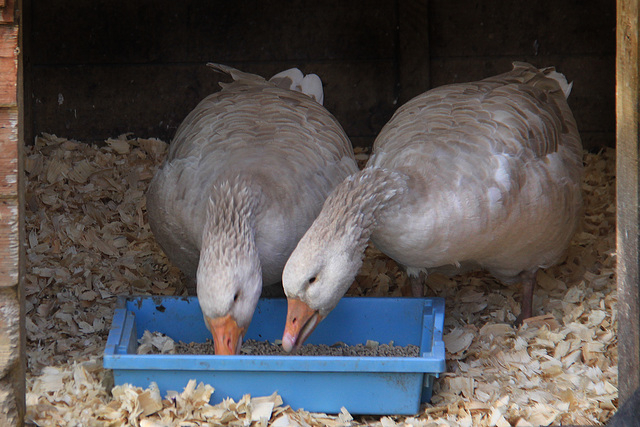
[(301, 321)]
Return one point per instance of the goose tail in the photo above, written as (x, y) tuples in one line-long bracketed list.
[(236, 75), (561, 79), (293, 79), (540, 77)]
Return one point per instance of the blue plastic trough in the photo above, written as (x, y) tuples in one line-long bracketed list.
[(364, 385)]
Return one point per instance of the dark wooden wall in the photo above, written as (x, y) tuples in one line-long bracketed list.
[(104, 67), (474, 39)]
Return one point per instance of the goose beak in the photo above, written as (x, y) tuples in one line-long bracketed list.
[(227, 335), (301, 321)]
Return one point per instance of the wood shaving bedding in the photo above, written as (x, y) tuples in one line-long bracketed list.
[(87, 241)]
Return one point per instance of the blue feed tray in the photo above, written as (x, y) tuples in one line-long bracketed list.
[(364, 385)]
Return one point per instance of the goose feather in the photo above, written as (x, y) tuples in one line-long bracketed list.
[(246, 174), (482, 175)]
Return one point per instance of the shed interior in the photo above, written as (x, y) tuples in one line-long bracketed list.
[(96, 70), (113, 67)]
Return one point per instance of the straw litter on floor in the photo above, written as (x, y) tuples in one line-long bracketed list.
[(88, 241)]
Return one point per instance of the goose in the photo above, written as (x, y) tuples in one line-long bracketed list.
[(480, 175), (246, 174)]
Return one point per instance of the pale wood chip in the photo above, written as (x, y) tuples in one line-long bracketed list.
[(81, 171), (87, 239), (496, 329), (150, 400), (458, 340), (56, 170), (547, 320), (120, 145)]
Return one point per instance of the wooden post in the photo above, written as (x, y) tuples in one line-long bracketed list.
[(12, 338), (628, 186)]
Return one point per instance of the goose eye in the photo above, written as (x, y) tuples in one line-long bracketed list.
[(235, 296), (312, 279)]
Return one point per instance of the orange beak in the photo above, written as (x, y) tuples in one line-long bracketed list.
[(227, 335), (301, 321)]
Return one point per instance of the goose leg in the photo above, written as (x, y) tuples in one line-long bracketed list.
[(417, 284), (528, 280)]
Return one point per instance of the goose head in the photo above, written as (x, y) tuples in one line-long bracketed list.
[(228, 295), (327, 258), (229, 275), (315, 277)]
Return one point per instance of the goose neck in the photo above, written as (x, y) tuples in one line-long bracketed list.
[(231, 218), (360, 201)]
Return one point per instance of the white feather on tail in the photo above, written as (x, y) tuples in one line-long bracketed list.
[(293, 79), (562, 81)]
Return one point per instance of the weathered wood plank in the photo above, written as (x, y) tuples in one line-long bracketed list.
[(8, 152), (9, 327), (9, 415), (7, 8), (628, 191), (9, 242), (12, 339), (24, 75), (8, 68), (12, 387), (8, 64), (8, 41), (19, 369)]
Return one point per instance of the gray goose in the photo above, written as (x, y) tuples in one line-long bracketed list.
[(480, 175), (246, 174)]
